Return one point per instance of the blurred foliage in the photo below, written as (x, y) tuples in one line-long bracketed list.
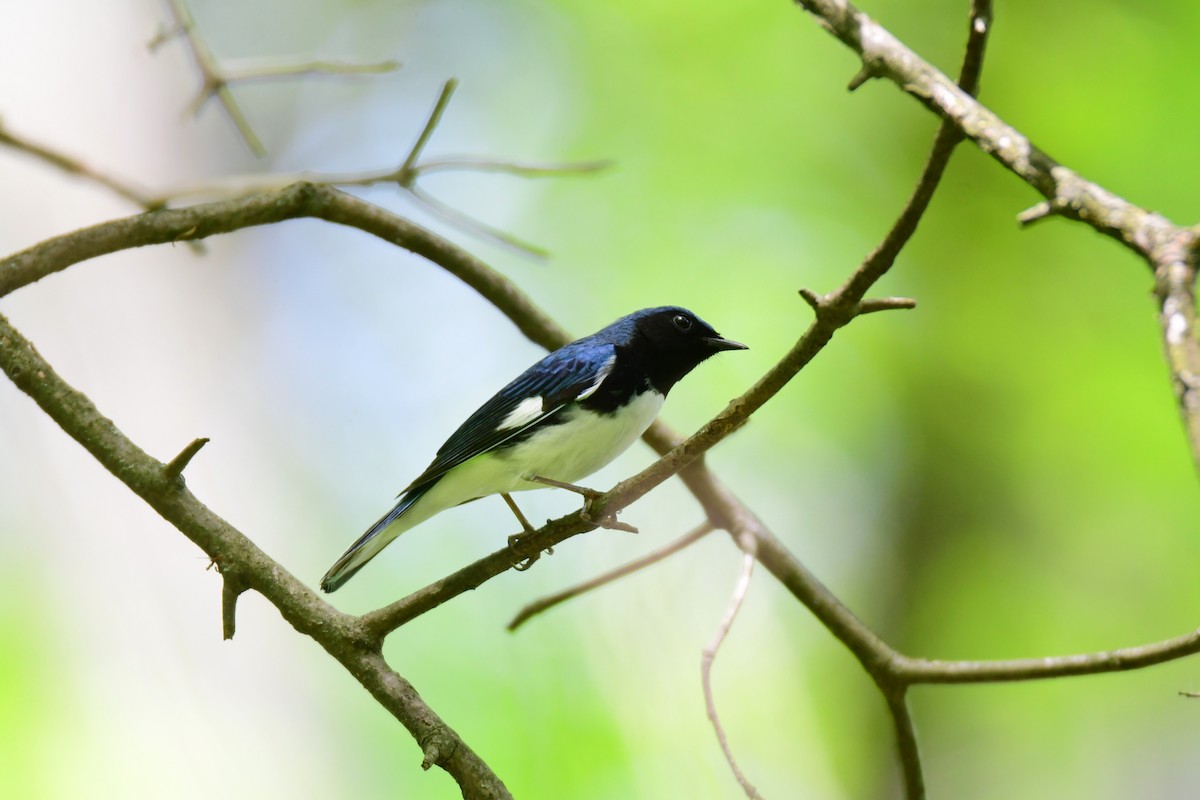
[(999, 473)]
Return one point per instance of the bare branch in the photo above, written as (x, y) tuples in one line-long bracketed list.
[(216, 78), (891, 670), (1169, 249), (213, 82), (260, 69), (242, 185), (73, 166), (920, 670), (472, 225), (405, 177), (906, 740), (342, 636), (407, 172), (518, 168), (710, 653), (653, 557)]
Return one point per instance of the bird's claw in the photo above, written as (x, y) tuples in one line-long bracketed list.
[(607, 521), (590, 496), (517, 544)]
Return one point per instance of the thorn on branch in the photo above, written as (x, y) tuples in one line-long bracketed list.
[(813, 299), (829, 307), (164, 34), (862, 76), (436, 748), (884, 304), (231, 590), (175, 467), (1039, 212)]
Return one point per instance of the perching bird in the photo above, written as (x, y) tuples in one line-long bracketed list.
[(561, 420)]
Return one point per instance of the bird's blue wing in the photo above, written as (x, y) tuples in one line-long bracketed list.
[(571, 373)]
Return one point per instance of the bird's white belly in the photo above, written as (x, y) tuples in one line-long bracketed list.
[(568, 451), (584, 443)]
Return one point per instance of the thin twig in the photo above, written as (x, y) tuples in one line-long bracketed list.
[(242, 185), (74, 166), (213, 82), (921, 670), (653, 557), (706, 661), (405, 177), (246, 71), (519, 168), (469, 223), (216, 78), (906, 740), (406, 174)]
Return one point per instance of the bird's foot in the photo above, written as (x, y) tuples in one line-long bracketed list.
[(526, 557), (608, 521)]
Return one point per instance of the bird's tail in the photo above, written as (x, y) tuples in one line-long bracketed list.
[(368, 545)]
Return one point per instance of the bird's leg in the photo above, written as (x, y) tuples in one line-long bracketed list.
[(515, 541), (520, 517), (607, 521)]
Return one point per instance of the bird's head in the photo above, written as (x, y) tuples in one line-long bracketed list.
[(672, 341)]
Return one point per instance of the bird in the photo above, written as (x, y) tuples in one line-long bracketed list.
[(559, 421)]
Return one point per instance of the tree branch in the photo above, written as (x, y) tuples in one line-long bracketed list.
[(73, 166), (355, 641), (920, 670), (550, 601), (906, 740), (706, 661), (342, 636), (216, 78), (261, 69), (1169, 249)]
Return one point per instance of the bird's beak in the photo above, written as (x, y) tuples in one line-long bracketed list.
[(719, 343)]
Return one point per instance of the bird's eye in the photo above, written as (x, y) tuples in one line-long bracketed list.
[(682, 322)]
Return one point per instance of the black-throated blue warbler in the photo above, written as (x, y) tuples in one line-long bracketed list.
[(559, 421)]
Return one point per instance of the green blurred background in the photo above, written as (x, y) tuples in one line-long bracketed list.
[(1000, 473)]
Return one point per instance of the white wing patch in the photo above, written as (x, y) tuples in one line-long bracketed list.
[(526, 412), (531, 408), (600, 376)]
